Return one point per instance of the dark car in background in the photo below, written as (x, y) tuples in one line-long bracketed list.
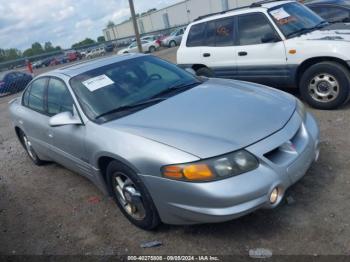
[(333, 11), (47, 61), (13, 82), (109, 47)]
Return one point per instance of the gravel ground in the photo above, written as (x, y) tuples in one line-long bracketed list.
[(50, 210)]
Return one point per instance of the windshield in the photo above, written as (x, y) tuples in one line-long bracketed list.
[(173, 33), (293, 18), (133, 45), (126, 83)]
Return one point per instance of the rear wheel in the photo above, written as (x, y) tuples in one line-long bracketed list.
[(205, 71), (152, 49), (172, 44), (132, 196), (325, 85), (30, 150)]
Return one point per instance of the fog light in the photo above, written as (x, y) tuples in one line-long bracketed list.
[(274, 196)]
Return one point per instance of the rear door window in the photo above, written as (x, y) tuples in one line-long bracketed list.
[(196, 36)]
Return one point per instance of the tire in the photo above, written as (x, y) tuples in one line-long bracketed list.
[(172, 44), (325, 85), (205, 71), (30, 150), (147, 217), (152, 49)]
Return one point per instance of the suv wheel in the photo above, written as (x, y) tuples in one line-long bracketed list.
[(132, 196), (172, 44), (30, 150), (205, 71), (325, 85)]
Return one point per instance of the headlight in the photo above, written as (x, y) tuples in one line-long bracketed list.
[(301, 109), (213, 169)]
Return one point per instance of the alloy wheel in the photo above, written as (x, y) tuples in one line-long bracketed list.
[(29, 148), (128, 196)]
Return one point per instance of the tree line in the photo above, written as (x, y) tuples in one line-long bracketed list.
[(39, 49), (35, 49)]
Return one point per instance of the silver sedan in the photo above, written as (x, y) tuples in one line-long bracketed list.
[(168, 146)]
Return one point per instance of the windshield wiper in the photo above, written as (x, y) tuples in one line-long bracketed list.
[(153, 100), (131, 107), (300, 32), (308, 30), (321, 25), (175, 87)]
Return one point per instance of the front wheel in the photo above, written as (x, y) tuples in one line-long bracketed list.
[(131, 196), (325, 85), (172, 44)]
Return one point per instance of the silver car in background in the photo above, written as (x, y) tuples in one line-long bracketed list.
[(174, 38), (168, 146)]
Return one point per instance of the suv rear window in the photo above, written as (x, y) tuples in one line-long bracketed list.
[(196, 36), (220, 32)]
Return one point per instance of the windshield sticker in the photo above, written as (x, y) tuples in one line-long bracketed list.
[(97, 82), (280, 14)]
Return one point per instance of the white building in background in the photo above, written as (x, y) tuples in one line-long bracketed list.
[(179, 14)]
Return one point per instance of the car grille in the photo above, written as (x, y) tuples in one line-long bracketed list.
[(289, 150)]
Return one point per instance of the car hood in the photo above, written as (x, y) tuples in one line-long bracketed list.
[(333, 32), (216, 117)]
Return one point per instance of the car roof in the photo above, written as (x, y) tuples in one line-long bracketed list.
[(79, 68), (331, 2), (262, 5)]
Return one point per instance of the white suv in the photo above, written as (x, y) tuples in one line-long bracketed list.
[(280, 43), (100, 51)]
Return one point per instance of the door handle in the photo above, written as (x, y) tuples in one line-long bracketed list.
[(206, 54), (242, 53)]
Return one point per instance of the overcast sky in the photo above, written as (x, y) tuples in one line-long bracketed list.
[(63, 22)]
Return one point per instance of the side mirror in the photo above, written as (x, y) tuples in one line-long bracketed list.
[(63, 119), (191, 71), (270, 38)]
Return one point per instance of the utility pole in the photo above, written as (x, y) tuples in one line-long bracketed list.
[(136, 28)]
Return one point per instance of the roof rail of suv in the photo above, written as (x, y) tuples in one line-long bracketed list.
[(256, 4)]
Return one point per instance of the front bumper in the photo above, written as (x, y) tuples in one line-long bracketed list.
[(180, 202)]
